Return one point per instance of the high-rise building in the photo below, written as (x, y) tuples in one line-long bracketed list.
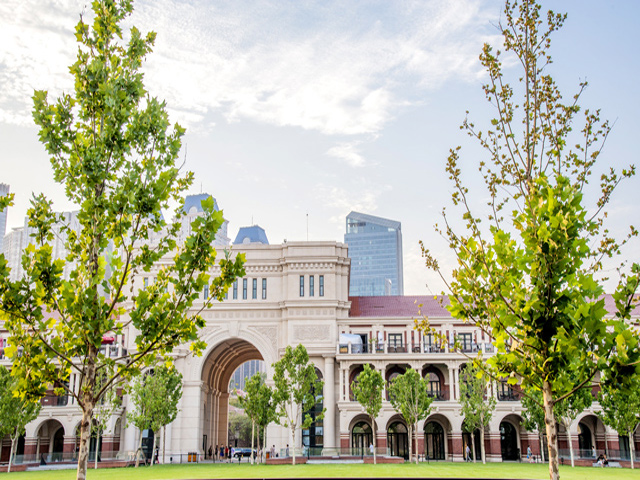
[(4, 190), (375, 249)]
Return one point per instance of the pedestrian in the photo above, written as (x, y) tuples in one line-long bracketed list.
[(593, 451), (226, 452), (286, 452), (529, 455), (371, 448), (273, 452), (468, 453)]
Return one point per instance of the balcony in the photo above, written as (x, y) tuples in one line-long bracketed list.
[(413, 348), (51, 400), (509, 396)]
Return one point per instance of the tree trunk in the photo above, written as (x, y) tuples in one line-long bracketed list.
[(550, 424), (264, 441), (482, 452), (410, 442), (95, 460), (293, 443), (573, 463), (632, 447), (139, 450), (375, 439), (88, 404), (253, 428), (164, 437), (12, 450), (541, 438), (473, 445), (153, 449), (415, 434)]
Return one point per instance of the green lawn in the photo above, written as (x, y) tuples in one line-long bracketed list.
[(433, 470)]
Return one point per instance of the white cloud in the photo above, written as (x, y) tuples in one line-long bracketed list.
[(338, 68), (349, 153)]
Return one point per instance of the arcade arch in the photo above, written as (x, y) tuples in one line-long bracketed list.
[(217, 369)]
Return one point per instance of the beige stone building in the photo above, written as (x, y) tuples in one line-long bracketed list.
[(297, 292)]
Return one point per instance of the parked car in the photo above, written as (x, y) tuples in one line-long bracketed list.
[(243, 452)]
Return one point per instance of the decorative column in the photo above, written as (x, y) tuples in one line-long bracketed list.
[(329, 422)]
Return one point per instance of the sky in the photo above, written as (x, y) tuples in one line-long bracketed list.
[(298, 112)]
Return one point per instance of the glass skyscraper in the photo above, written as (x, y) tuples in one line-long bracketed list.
[(375, 249)]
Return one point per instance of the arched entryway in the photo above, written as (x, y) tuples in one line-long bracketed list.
[(434, 441), (467, 441), (361, 438), (398, 440), (218, 368), (50, 445), (509, 441), (585, 440)]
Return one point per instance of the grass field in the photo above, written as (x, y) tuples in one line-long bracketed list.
[(433, 470)]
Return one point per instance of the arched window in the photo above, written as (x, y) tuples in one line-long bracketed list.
[(434, 441), (435, 390), (398, 440), (584, 440), (509, 441), (361, 438)]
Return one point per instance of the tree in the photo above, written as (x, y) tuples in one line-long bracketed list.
[(258, 404), (477, 404), (565, 412), (155, 397), (15, 412), (295, 382), (409, 395), (367, 390), (528, 275), (111, 147), (621, 411), (109, 403)]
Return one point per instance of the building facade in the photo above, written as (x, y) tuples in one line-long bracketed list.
[(294, 293), (375, 249)]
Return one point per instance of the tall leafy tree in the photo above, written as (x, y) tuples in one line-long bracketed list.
[(15, 411), (112, 149), (409, 395), (258, 404), (477, 403), (367, 390), (155, 398), (295, 382), (528, 275), (621, 411)]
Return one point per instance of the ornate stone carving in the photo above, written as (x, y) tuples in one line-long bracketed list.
[(269, 333), (311, 332)]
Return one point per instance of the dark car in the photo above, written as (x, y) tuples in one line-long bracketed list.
[(243, 452)]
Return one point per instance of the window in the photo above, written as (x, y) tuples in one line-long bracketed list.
[(244, 288), (235, 290), (395, 339), (466, 341), (302, 285), (434, 385), (311, 285), (206, 292), (321, 287), (264, 288), (146, 282), (254, 291)]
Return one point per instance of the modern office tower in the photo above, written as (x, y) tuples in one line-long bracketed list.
[(244, 372), (252, 234), (375, 249), (4, 190), (12, 249)]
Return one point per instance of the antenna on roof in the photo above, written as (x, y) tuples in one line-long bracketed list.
[(307, 226), (251, 219)]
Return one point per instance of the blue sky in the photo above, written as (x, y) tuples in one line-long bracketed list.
[(319, 108)]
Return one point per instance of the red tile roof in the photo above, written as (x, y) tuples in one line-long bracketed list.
[(432, 306)]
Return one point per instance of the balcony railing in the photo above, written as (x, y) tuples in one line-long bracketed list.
[(386, 348), (508, 396), (54, 401)]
